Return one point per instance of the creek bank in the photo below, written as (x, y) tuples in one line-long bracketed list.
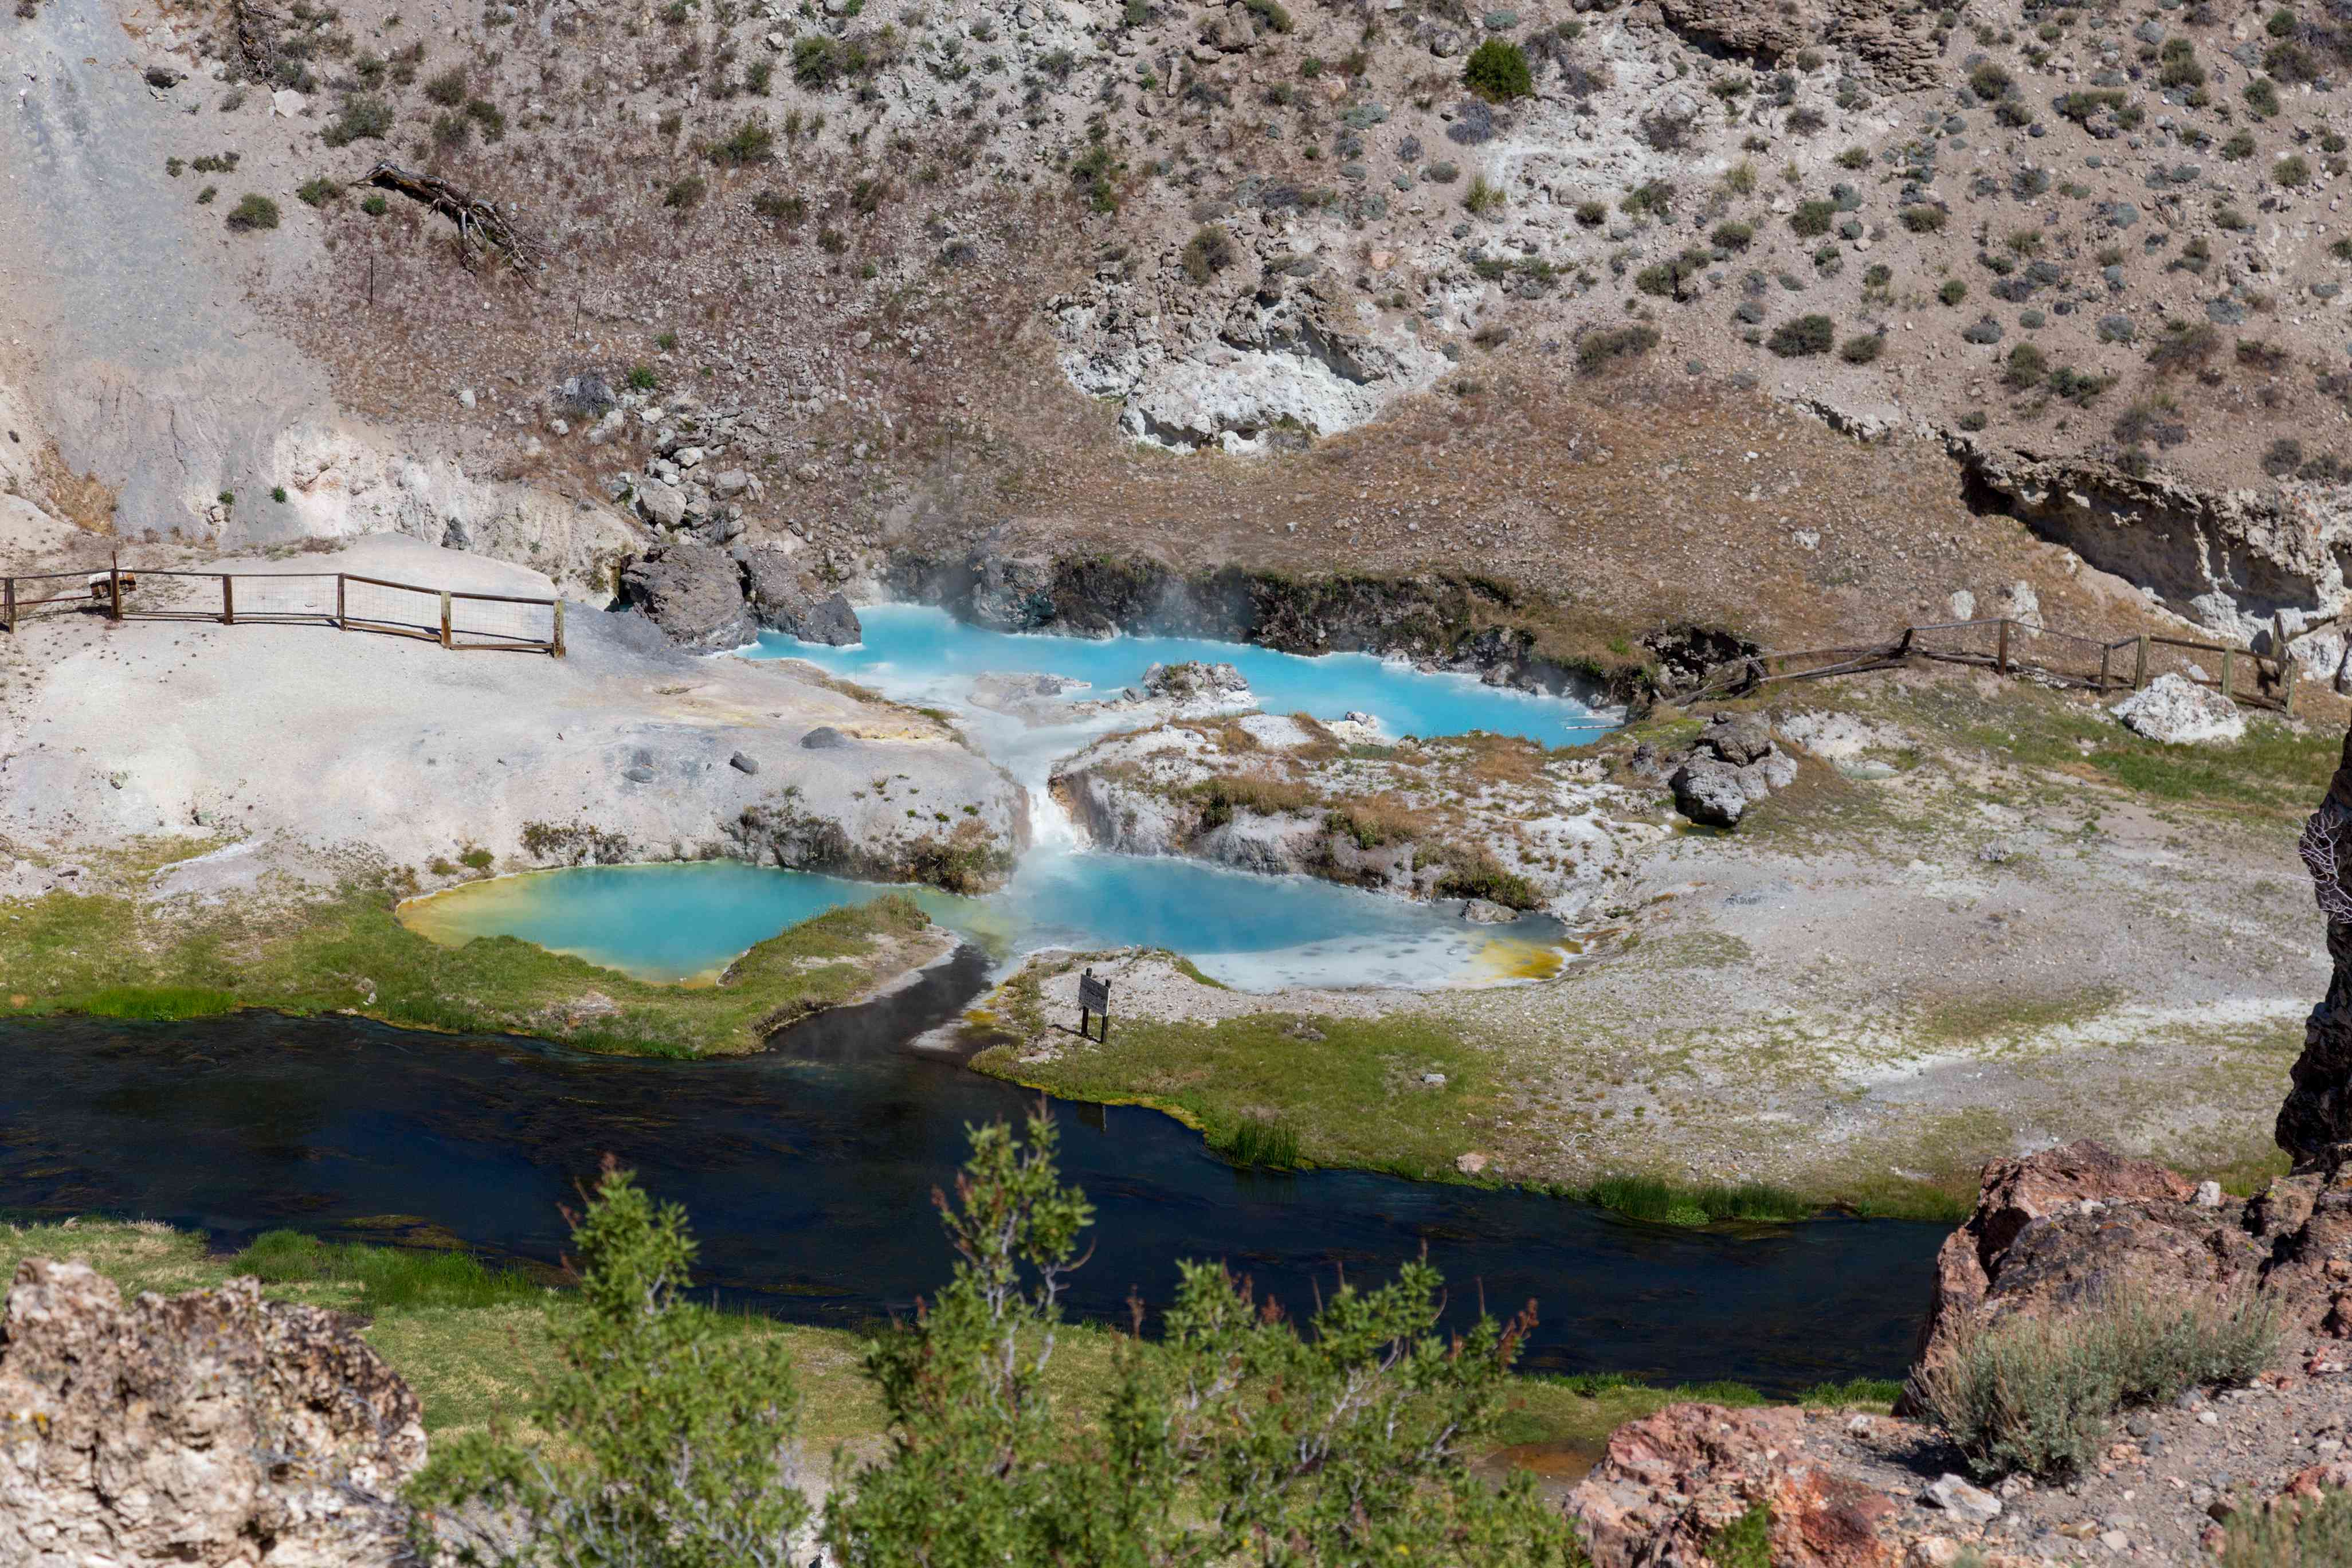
[(1455, 623), (105, 950)]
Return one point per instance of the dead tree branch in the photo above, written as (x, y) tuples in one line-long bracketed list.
[(479, 222)]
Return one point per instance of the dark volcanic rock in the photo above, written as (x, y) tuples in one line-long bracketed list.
[(2318, 1114), (787, 600), (694, 591)]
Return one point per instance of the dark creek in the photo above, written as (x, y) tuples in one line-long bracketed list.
[(808, 1172)]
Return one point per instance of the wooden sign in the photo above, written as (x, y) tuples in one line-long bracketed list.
[(1094, 998)]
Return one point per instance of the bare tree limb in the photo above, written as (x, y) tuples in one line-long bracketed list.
[(479, 222)]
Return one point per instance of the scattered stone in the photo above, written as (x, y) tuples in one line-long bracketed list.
[(1470, 1164), (825, 738), (2177, 713), (662, 505), (743, 765), (1960, 1499)]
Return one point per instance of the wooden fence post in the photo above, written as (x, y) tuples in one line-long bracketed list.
[(2286, 682), (2229, 674), (114, 588), (558, 648), (342, 621), (10, 586), (2001, 655), (228, 600), (445, 617), (2106, 653), (2139, 664)]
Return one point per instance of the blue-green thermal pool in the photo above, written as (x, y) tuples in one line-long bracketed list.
[(673, 923), (918, 654), (1251, 932)]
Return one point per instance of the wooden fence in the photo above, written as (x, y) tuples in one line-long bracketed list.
[(456, 618), (2013, 647)]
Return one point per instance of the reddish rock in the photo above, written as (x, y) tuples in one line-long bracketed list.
[(1671, 1482), (2016, 1192)]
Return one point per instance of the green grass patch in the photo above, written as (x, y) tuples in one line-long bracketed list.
[(1354, 1097), (384, 1278), (1661, 1202), (1270, 1144), (108, 955), (2002, 1014), (157, 1002)]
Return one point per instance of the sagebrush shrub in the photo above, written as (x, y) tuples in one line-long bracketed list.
[(1802, 336), (2036, 1394), (1498, 71)]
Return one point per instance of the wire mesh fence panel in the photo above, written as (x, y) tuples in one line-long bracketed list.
[(292, 596), (371, 604), (174, 597), (479, 620)]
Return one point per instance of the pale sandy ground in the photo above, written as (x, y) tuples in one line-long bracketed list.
[(311, 741)]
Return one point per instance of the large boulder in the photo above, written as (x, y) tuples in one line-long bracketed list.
[(693, 592), (785, 599), (1733, 765), (2317, 1115), (2178, 711), (2012, 1195), (211, 1429)]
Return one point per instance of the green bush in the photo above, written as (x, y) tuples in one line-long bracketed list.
[(641, 378), (750, 143), (1600, 349), (1733, 235), (2296, 1534), (448, 88), (318, 193), (2261, 96), (1862, 348), (1924, 218), (666, 1434), (1209, 251), (1953, 291), (362, 116), (1271, 13), (374, 206), (252, 212), (1483, 198), (2025, 367), (2037, 1394), (2291, 171), (1802, 337), (684, 194), (1498, 71), (1813, 219)]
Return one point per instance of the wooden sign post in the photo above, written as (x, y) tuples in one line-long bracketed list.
[(1093, 997)]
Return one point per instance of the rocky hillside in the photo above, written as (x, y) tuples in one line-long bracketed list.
[(860, 279)]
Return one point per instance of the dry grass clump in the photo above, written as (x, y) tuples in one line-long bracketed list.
[(2312, 1534), (2036, 1394)]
